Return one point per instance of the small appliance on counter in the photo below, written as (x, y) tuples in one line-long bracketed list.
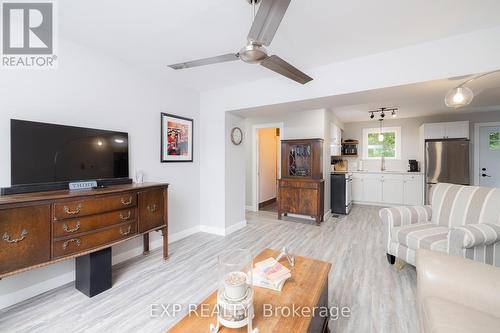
[(413, 166), (341, 193)]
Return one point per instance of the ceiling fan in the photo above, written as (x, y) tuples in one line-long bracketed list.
[(264, 27)]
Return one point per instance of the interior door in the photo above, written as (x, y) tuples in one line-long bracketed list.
[(489, 156)]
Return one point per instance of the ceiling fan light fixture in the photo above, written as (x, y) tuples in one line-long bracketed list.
[(459, 97), (253, 53)]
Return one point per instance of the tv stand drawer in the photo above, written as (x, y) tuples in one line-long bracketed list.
[(101, 204), (80, 243), (80, 225)]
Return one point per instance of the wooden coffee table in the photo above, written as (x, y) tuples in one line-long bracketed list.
[(308, 287)]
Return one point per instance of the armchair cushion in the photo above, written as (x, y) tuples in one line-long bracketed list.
[(478, 234), (422, 235)]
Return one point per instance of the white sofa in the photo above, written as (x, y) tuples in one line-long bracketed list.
[(461, 221), (457, 295)]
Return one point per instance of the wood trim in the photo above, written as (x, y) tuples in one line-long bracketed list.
[(267, 202)]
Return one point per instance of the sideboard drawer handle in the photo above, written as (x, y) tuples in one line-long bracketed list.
[(68, 211), (6, 237), (128, 202), (75, 240), (152, 208), (125, 217), (76, 228), (126, 232)]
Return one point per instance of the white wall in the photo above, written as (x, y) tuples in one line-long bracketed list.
[(268, 163), (410, 144), (234, 180), (90, 90), (297, 125)]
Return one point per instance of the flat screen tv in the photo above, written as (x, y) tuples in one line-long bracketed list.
[(55, 154)]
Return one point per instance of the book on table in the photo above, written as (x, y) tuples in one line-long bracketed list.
[(270, 274)]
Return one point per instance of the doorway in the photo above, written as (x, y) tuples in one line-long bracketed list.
[(487, 147), (269, 144), (267, 165)]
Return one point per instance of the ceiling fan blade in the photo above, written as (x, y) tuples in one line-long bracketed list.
[(206, 61), (280, 66), (267, 21)]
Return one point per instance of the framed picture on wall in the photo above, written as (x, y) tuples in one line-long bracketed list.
[(176, 138)]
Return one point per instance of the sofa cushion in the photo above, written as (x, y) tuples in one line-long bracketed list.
[(458, 205), (441, 316), (422, 235)]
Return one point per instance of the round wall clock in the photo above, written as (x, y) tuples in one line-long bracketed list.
[(236, 135)]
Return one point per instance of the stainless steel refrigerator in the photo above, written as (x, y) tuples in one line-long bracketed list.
[(446, 161)]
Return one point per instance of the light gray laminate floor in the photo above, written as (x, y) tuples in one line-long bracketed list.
[(382, 299)]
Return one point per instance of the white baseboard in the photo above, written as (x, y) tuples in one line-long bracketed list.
[(235, 227), (223, 232), (250, 208), (213, 230)]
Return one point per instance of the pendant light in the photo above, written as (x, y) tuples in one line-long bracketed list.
[(461, 95), (381, 135), (458, 97)]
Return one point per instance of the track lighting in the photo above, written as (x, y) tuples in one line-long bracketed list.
[(381, 112)]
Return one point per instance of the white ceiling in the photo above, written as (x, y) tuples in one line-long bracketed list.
[(414, 100), (150, 34)]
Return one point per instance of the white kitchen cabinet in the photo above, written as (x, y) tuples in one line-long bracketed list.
[(357, 188), (393, 189), (434, 131), (335, 140), (372, 188), (457, 130), (413, 190), (447, 130), (385, 188)]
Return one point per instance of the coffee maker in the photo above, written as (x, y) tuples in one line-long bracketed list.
[(413, 166)]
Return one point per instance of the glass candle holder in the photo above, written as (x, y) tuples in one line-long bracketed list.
[(235, 294), (235, 274)]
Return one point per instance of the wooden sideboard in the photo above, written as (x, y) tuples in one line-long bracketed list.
[(38, 229)]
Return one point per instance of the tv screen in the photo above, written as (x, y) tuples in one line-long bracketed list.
[(48, 153)]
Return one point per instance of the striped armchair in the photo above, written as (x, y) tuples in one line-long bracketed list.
[(461, 220)]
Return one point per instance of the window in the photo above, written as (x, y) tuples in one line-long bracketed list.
[(389, 147), (495, 140)]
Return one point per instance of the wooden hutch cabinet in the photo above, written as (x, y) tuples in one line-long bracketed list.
[(301, 187)]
